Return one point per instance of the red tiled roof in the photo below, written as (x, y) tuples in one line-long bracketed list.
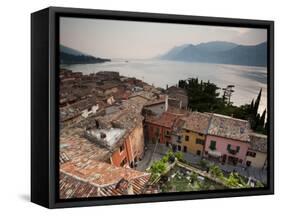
[(95, 178), (228, 127), (165, 120), (155, 102), (75, 147), (197, 122), (258, 142), (74, 188), (99, 173)]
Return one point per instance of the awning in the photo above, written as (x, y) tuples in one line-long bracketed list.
[(214, 153)]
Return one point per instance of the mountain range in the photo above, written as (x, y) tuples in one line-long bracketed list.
[(73, 56), (220, 52)]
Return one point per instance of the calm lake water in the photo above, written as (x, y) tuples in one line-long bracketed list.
[(247, 80)]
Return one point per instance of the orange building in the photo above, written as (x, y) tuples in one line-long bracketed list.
[(158, 129), (130, 148)]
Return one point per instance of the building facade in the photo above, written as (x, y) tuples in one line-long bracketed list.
[(257, 153), (159, 129), (194, 132), (227, 140), (131, 149)]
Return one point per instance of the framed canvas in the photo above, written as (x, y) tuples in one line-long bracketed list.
[(139, 107)]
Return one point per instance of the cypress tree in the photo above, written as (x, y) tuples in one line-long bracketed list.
[(257, 103), (262, 119), (252, 107)]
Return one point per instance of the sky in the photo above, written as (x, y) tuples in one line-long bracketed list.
[(141, 40)]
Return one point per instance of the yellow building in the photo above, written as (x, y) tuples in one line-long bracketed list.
[(193, 133), (193, 142), (257, 153)]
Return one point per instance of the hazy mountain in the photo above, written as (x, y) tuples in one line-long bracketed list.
[(70, 51), (220, 52), (173, 52), (245, 55), (216, 46), (72, 56)]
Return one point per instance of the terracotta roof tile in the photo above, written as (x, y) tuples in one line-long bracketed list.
[(225, 126), (197, 122), (99, 179), (165, 120), (258, 142), (73, 146)]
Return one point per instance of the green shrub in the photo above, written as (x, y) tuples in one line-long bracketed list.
[(204, 164), (259, 184), (236, 181), (215, 171), (179, 156), (193, 177), (158, 167)]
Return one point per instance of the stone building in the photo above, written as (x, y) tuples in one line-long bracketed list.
[(177, 97), (257, 152)]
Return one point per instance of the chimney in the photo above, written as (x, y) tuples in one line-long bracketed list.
[(102, 135)]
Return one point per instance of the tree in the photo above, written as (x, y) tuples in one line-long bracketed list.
[(204, 164), (257, 102), (157, 168), (235, 181), (179, 156), (215, 171), (227, 93), (193, 177), (260, 123), (204, 97)]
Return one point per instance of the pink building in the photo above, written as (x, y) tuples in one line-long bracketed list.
[(227, 140)]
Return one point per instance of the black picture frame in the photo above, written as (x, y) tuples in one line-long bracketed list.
[(45, 115)]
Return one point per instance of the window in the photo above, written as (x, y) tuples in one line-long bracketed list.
[(167, 133), (124, 161), (228, 147), (213, 145), (251, 154), (200, 134), (200, 141), (198, 152), (184, 149), (187, 131), (121, 148), (237, 149), (186, 138), (179, 148), (233, 150)]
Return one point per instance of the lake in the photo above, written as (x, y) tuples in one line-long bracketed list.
[(247, 80)]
